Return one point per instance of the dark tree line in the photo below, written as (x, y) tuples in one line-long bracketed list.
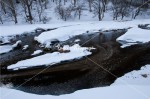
[(34, 10)]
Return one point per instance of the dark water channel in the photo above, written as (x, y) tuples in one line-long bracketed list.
[(69, 77)]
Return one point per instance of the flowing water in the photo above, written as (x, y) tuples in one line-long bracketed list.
[(71, 76)]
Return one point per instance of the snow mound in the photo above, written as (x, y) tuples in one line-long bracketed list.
[(133, 36), (76, 52)]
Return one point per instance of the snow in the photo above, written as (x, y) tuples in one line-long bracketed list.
[(135, 77), (4, 40), (9, 30), (127, 44), (66, 47), (52, 16), (66, 30), (132, 85), (118, 90), (37, 52), (76, 52), (135, 35), (25, 47), (64, 33), (77, 40), (5, 48), (112, 92), (16, 44)]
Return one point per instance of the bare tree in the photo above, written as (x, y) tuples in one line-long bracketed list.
[(74, 3), (1, 20), (45, 3), (64, 12), (120, 9), (65, 2), (3, 6), (90, 2), (39, 8), (99, 6), (140, 9), (79, 9), (10, 6), (27, 5)]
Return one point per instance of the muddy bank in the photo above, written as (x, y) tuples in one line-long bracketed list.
[(67, 78)]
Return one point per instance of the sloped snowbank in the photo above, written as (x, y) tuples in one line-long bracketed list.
[(136, 77), (76, 52), (112, 92), (117, 90), (135, 35)]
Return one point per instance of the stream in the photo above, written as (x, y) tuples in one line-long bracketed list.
[(68, 77)]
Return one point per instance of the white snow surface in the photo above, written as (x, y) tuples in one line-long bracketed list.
[(52, 58), (135, 35), (4, 40), (9, 30), (5, 48), (25, 47), (112, 92), (64, 33), (17, 43), (117, 90), (37, 52), (66, 30), (135, 77)]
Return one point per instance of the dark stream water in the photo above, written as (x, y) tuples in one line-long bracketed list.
[(71, 76)]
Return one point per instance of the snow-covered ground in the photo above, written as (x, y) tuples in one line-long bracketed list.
[(136, 77), (76, 52), (69, 29), (8, 30), (5, 48), (135, 35), (65, 33), (133, 85)]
